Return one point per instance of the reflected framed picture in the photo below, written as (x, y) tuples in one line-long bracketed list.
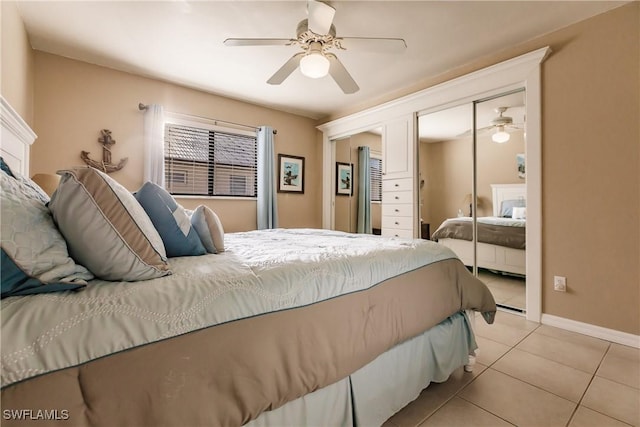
[(521, 166), (344, 179), (291, 174)]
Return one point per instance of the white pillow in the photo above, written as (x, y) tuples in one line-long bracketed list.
[(209, 229), (106, 229)]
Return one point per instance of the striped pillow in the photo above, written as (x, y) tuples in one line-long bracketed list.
[(105, 227)]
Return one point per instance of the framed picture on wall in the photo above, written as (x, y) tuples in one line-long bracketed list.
[(291, 174), (521, 165), (344, 179)]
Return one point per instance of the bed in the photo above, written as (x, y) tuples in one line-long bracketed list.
[(501, 237), (283, 327)]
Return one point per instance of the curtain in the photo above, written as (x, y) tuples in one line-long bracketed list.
[(154, 144), (267, 195), (364, 191)]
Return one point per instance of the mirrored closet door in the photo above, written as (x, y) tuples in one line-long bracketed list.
[(472, 189), (357, 182), (500, 198)]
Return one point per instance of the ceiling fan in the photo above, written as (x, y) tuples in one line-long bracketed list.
[(500, 124), (316, 36)]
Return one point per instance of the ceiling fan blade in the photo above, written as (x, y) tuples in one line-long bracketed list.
[(320, 16), (286, 69), (374, 44), (341, 75), (257, 42)]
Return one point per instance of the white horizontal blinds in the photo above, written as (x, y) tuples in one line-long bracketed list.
[(234, 165), (209, 163), (375, 167)]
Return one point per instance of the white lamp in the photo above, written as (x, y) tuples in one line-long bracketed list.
[(314, 64), (500, 136)]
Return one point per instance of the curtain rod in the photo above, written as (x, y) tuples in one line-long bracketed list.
[(143, 107)]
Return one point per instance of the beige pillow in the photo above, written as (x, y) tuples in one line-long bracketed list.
[(105, 227), (209, 229)]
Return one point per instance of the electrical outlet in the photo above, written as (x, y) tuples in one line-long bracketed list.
[(559, 283)]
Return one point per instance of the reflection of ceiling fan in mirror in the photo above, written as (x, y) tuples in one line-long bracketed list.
[(316, 36), (501, 126)]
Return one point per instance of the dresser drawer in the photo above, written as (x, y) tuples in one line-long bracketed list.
[(402, 184), (393, 209), (397, 197), (397, 222), (396, 232)]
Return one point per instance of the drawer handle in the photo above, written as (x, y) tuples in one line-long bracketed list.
[(397, 210), (397, 198), (397, 235), (396, 223), (397, 185)]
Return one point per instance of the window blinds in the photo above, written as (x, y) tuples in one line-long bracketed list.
[(209, 163), (375, 167)]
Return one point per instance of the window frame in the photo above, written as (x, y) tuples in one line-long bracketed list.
[(209, 125)]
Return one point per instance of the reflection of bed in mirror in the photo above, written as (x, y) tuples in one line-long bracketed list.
[(501, 237)]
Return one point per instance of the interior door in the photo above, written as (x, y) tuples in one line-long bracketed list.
[(465, 175), (445, 158), (499, 197)]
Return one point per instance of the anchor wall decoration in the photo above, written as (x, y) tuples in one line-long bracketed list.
[(105, 165)]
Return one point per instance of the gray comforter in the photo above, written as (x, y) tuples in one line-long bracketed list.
[(493, 230)]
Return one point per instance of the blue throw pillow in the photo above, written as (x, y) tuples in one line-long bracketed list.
[(171, 221), (506, 210), (17, 282), (5, 167)]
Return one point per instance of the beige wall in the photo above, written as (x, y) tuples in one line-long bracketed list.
[(497, 164), (591, 171), (74, 100), (16, 81), (590, 166), (447, 167)]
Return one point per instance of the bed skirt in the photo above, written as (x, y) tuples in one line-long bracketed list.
[(375, 392)]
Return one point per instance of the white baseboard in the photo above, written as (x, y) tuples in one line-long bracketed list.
[(592, 330)]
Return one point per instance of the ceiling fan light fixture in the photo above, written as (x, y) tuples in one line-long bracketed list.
[(500, 136), (314, 65)]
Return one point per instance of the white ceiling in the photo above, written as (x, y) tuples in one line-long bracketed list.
[(182, 41), (457, 122)]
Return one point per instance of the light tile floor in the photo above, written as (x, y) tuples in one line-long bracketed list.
[(533, 375), (507, 290)]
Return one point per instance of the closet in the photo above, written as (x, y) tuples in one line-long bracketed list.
[(473, 189), (398, 121)]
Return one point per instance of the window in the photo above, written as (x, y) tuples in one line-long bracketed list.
[(375, 166), (207, 162)]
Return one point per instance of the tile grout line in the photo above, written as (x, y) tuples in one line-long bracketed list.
[(486, 410), (593, 377)]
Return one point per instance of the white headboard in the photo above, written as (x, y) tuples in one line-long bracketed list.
[(502, 192), (15, 140)]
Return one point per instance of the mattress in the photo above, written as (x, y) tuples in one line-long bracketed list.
[(278, 315)]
